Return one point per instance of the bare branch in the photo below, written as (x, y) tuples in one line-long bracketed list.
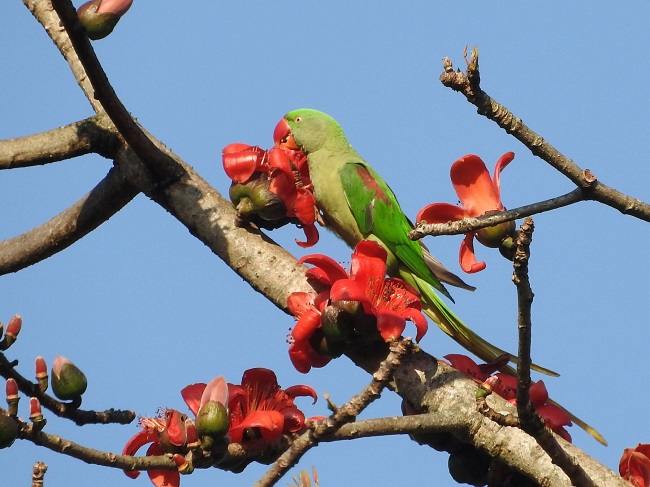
[(76, 139), (62, 409), (157, 161), (38, 474), (102, 202), (528, 418), (468, 83), (43, 11), (472, 224), (342, 415)]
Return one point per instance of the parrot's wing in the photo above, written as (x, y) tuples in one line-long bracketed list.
[(378, 213)]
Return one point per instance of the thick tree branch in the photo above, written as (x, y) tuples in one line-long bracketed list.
[(468, 83), (528, 418), (157, 161), (345, 414), (43, 11), (62, 409), (102, 202), (472, 224), (79, 138)]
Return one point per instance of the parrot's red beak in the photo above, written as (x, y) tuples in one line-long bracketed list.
[(283, 137)]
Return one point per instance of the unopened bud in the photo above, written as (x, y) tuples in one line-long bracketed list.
[(254, 198), (99, 17), (8, 430), (13, 329), (68, 382), (212, 419), (41, 373), (36, 413), (493, 236), (11, 390)]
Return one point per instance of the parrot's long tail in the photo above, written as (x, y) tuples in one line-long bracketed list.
[(452, 325)]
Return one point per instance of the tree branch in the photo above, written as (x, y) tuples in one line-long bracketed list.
[(472, 224), (345, 414), (157, 161), (468, 83), (102, 202), (528, 418), (38, 474), (76, 139), (62, 409)]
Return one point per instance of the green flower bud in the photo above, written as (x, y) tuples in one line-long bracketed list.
[(493, 236), (254, 198), (68, 382), (8, 431), (212, 419)]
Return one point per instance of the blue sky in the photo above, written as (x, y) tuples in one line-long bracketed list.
[(145, 309)]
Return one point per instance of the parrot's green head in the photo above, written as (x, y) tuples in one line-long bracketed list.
[(307, 129)]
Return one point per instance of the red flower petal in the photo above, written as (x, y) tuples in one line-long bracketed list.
[(279, 159), (300, 357), (504, 385), (466, 256), (390, 325), (419, 321), (175, 427), (162, 478), (294, 419), (192, 396), (554, 416), (538, 393), (564, 434), (304, 207), (134, 443), (503, 161), (466, 365), (440, 213), (331, 270), (240, 161), (301, 391), (259, 378), (269, 423), (299, 302), (635, 467), (306, 325), (311, 233), (474, 186), (368, 261), (351, 290)]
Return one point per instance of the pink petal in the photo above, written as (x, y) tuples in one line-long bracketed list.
[(440, 213), (162, 478), (300, 391), (331, 269), (216, 390), (474, 186), (503, 161), (192, 396), (467, 258)]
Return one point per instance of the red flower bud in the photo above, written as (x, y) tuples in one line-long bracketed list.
[(11, 390), (35, 411), (41, 373), (14, 326)]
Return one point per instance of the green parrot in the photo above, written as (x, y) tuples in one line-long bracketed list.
[(356, 204)]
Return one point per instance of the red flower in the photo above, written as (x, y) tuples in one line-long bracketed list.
[(307, 309), (261, 411), (287, 173), (505, 385), (635, 465), (479, 194), (166, 433)]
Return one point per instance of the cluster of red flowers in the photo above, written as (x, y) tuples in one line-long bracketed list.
[(635, 465), (274, 186), (256, 412), (390, 301), (505, 385)]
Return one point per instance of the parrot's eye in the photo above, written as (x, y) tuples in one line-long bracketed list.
[(298, 119)]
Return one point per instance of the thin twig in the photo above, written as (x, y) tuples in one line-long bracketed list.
[(344, 414), (38, 474), (90, 455), (161, 166), (75, 139), (62, 409), (528, 418), (472, 224), (468, 83), (102, 202)]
